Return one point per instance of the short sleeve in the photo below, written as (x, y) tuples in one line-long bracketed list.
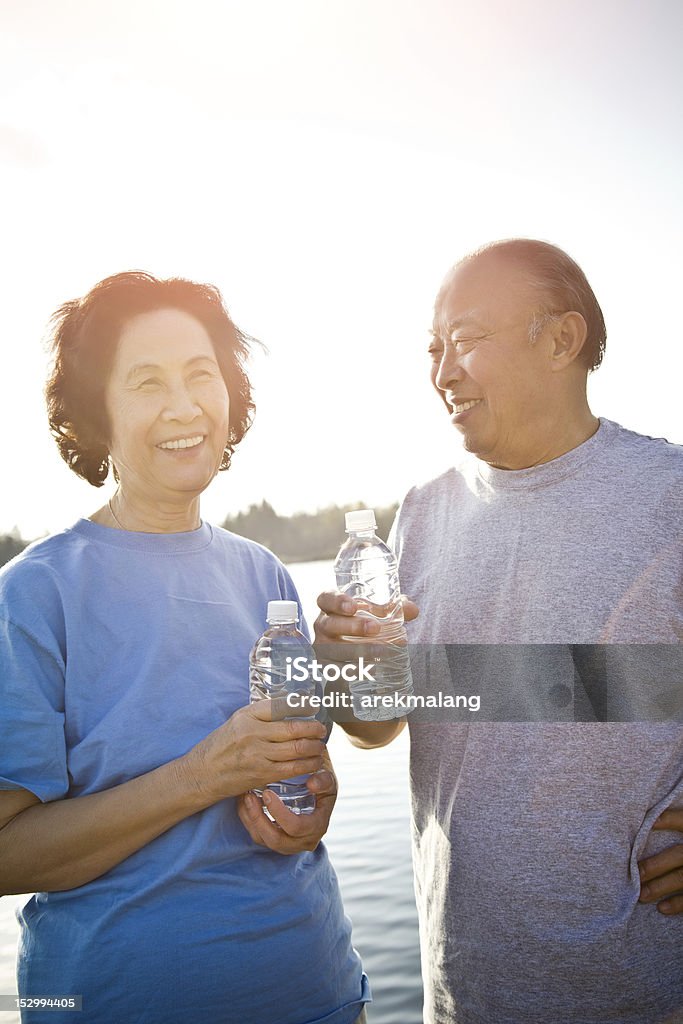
[(32, 741)]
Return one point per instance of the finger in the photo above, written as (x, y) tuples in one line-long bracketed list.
[(295, 825), (671, 819), (661, 863), (264, 832), (410, 609), (334, 603), (322, 783), (279, 770), (250, 813), (293, 707), (670, 884), (284, 730), (293, 750), (332, 627), (671, 906), (297, 831)]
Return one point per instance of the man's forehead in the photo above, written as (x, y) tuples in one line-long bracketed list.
[(480, 290)]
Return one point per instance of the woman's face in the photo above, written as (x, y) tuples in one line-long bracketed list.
[(168, 408)]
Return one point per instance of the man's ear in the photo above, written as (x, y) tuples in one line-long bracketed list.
[(568, 338)]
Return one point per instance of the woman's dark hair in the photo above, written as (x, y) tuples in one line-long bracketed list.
[(84, 339)]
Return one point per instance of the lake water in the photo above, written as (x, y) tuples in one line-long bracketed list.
[(369, 844)]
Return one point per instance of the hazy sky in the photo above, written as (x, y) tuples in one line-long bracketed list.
[(323, 162)]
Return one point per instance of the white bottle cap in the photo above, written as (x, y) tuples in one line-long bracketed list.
[(360, 520), (282, 611)]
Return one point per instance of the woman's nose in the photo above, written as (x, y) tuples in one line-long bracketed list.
[(182, 406)]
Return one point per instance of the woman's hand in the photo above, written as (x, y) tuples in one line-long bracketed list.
[(296, 832), (252, 749), (661, 876)]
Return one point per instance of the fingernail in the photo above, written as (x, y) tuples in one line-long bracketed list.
[(665, 907), (267, 798), (348, 606), (645, 892)]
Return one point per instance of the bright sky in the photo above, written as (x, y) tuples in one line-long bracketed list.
[(324, 162)]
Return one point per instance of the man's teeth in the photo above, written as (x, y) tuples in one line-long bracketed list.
[(463, 406), (183, 442)]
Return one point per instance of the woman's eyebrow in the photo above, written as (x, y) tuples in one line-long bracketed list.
[(147, 367)]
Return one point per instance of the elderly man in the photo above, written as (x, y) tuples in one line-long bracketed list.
[(555, 528)]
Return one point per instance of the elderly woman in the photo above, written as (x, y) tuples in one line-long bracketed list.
[(126, 738)]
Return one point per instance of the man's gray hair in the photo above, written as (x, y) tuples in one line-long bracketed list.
[(562, 287)]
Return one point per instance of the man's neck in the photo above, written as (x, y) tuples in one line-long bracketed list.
[(564, 432)]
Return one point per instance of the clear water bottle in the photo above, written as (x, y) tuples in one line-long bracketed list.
[(280, 664), (367, 571)]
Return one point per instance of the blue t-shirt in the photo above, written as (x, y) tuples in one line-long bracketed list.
[(118, 652)]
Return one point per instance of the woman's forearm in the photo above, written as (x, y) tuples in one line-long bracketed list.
[(66, 843)]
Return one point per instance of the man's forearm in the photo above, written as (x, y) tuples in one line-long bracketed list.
[(373, 734)]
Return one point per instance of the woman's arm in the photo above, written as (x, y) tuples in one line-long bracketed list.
[(66, 843)]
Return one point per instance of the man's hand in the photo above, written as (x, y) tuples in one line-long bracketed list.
[(296, 832), (337, 619), (662, 875)]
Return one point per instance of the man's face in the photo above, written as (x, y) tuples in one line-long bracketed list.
[(494, 382)]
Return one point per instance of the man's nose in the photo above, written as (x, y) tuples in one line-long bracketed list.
[(450, 369), (182, 405)]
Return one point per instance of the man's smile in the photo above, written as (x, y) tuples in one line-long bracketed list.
[(459, 405)]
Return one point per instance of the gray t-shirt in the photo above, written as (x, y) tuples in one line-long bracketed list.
[(527, 834)]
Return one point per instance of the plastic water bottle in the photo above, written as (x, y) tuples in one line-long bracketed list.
[(270, 663), (367, 571)]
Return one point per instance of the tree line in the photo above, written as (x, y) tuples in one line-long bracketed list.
[(303, 537)]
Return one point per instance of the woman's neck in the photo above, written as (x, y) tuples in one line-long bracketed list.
[(127, 512)]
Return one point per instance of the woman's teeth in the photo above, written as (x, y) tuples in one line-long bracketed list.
[(183, 442)]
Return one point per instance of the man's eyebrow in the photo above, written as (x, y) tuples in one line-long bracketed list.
[(470, 318)]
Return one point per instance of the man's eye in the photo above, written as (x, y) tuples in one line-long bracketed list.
[(464, 344), (435, 351), (151, 382)]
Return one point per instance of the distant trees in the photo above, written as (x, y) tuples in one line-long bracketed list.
[(10, 545), (304, 537)]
